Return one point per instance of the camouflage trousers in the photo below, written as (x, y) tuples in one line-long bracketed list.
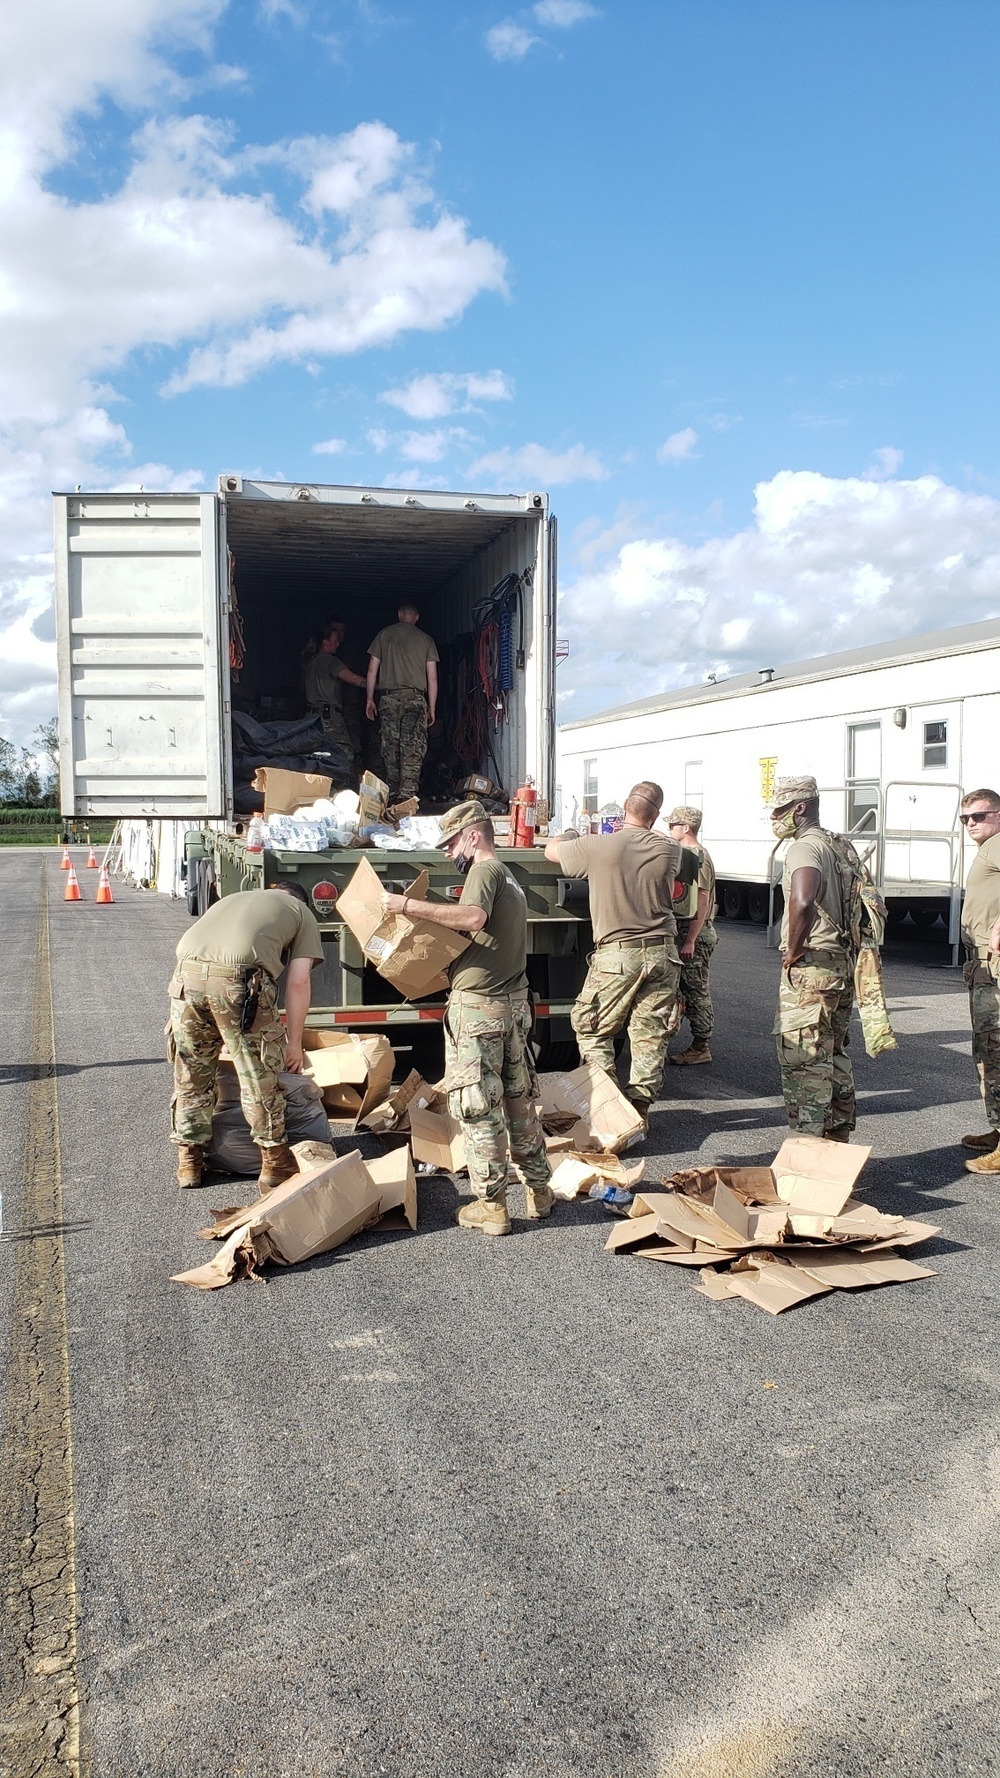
[(814, 1013), (984, 1009), (491, 1087), (694, 996), (205, 1007), (633, 985), (403, 728)]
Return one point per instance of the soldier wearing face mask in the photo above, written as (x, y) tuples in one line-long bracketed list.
[(489, 1072), (816, 993)]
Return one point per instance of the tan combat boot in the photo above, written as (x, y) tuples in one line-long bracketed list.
[(539, 1200), (984, 1144), (277, 1164), (840, 1135), (190, 1164), (488, 1215), (984, 1163), (697, 1051), (642, 1107)]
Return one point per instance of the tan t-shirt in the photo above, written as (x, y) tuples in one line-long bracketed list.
[(981, 906), (262, 926), (495, 961), (403, 652), (812, 850), (323, 682), (706, 880), (631, 876)]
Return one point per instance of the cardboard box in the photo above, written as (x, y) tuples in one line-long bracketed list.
[(393, 1174), (284, 792), (355, 1074), (373, 797), (436, 1139), (593, 1105), (310, 1213), (414, 955)]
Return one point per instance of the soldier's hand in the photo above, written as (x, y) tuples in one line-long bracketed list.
[(293, 1058), (687, 950), (370, 709), (430, 719), (392, 904), (994, 936)]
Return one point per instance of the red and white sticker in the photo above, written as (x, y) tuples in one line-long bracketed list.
[(324, 894)]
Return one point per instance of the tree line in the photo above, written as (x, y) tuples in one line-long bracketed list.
[(29, 776)]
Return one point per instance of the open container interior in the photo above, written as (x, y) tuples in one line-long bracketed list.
[(297, 564)]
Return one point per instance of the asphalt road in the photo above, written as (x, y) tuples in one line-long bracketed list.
[(438, 1505)]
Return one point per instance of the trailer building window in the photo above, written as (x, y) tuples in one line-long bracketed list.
[(935, 744), (590, 786)]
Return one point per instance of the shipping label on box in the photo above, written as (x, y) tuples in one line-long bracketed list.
[(414, 955)]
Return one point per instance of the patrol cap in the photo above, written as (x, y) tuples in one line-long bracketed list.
[(793, 790), (462, 815), (686, 816)]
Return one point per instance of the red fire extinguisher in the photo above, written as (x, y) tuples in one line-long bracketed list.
[(522, 814)]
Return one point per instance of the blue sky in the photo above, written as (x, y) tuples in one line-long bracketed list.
[(721, 276)]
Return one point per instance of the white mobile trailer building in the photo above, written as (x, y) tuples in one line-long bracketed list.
[(148, 587), (893, 734)]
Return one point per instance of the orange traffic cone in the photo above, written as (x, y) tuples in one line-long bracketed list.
[(91, 859), (72, 887), (104, 886), (66, 863)]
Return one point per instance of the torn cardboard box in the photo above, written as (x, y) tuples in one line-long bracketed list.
[(310, 1213), (284, 792), (373, 796), (590, 1108), (436, 1139), (414, 955), (354, 1074), (393, 1174), (774, 1236)]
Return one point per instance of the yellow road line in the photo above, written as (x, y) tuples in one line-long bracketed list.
[(39, 1697)]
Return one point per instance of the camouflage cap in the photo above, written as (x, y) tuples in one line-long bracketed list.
[(685, 815), (462, 815), (793, 790)]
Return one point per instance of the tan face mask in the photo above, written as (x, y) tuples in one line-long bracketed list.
[(783, 826)]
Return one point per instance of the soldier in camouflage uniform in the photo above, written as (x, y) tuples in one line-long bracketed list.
[(980, 816), (326, 675), (489, 1074), (227, 961), (696, 940), (403, 663), (816, 992), (634, 969)]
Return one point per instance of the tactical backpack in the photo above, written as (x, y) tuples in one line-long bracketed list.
[(866, 915)]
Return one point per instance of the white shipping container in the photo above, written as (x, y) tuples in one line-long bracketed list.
[(144, 591)]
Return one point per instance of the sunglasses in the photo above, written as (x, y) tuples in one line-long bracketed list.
[(978, 815)]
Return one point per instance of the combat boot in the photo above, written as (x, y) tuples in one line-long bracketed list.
[(697, 1051), (642, 1107), (984, 1144), (984, 1163), (539, 1200), (488, 1215), (277, 1164), (190, 1164), (839, 1135)]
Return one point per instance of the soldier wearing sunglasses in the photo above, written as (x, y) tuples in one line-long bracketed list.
[(980, 816)]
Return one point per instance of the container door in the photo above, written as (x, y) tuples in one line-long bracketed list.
[(143, 655), (545, 650)]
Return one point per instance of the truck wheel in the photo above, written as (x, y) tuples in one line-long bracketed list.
[(758, 903), (192, 901), (557, 1056), (734, 901), (924, 914)]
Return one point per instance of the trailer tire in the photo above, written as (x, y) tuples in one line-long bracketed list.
[(733, 901), (758, 904), (924, 914), (191, 898)]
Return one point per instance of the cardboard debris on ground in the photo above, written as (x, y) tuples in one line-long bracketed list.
[(413, 955), (393, 1174), (354, 1073), (394, 1113), (284, 792), (436, 1139), (576, 1173), (589, 1107), (774, 1236)]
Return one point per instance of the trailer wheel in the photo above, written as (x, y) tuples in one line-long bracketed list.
[(758, 904), (734, 901), (558, 1055), (924, 914), (192, 901)]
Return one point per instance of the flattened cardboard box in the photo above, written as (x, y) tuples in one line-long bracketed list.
[(414, 955), (284, 792), (310, 1213), (598, 1113), (355, 1074)]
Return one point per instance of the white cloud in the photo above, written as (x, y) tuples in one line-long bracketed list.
[(509, 41), (438, 393), (827, 564), (884, 464), (330, 447), (416, 447), (563, 13), (196, 248), (679, 447), (534, 466)]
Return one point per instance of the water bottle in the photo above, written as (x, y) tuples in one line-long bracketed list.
[(614, 1195), (255, 835)]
